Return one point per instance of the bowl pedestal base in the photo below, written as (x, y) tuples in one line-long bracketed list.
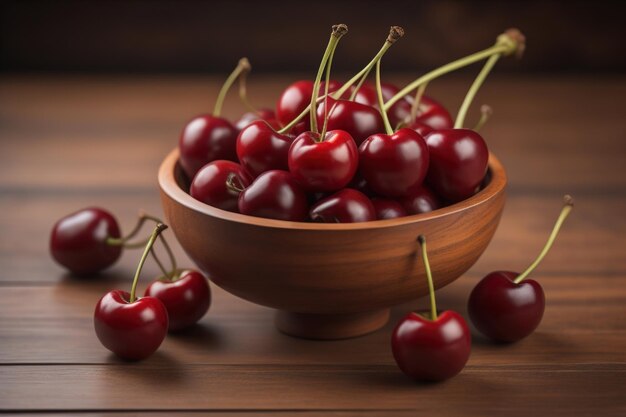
[(330, 326)]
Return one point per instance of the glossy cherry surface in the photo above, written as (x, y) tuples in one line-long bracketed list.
[(458, 163), (388, 209), (209, 184), (78, 241), (134, 330), (345, 206), (275, 195), (420, 200), (296, 97), (326, 165), (204, 139), (503, 310), (394, 164), (186, 297), (359, 120), (431, 350), (267, 115), (260, 148)]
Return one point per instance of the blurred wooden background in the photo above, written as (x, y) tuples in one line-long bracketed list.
[(204, 36)]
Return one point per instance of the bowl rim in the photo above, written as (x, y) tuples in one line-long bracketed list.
[(169, 185)]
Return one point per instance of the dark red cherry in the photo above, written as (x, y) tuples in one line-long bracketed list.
[(205, 139), (209, 184), (359, 120), (296, 97), (394, 164), (367, 95), (275, 195), (420, 200), (503, 310), (420, 127), (432, 113), (79, 241), (345, 206), (388, 209), (458, 163), (326, 165), (186, 297), (267, 115), (260, 148)]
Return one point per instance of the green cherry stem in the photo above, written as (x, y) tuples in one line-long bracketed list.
[(568, 204), (416, 101), (509, 42), (337, 32), (155, 233), (395, 33), (329, 65), (381, 101), (429, 276), (471, 93), (243, 65), (243, 90), (485, 113)]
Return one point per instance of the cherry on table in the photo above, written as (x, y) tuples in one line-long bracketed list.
[(209, 184), (505, 306), (132, 328), (431, 347), (345, 206)]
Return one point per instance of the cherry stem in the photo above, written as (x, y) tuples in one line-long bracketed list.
[(381, 101), (243, 91), (395, 33), (471, 93), (337, 32), (155, 233), (416, 101), (485, 113), (568, 202), (243, 65), (329, 65), (356, 89), (429, 276), (230, 183), (509, 42)]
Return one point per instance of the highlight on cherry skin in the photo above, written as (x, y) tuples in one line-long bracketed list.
[(507, 306)]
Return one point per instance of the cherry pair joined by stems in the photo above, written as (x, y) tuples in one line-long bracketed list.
[(431, 347), (506, 306)]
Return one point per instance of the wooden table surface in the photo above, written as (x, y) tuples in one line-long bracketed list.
[(66, 143)]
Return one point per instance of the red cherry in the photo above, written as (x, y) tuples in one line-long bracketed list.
[(359, 120), (388, 209), (397, 112), (131, 330), (296, 97), (274, 195), (422, 128), (325, 165), (260, 148), (420, 200), (431, 350), (79, 241), (432, 113), (431, 347), (209, 184), (345, 206), (458, 162), (507, 307), (394, 164), (186, 297), (267, 115)]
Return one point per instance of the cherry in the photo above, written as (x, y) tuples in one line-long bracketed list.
[(345, 206), (507, 307), (359, 120), (458, 162), (266, 115), (79, 241), (209, 184), (296, 98), (186, 296), (388, 209), (274, 195), (132, 328), (209, 137), (396, 162), (260, 148), (420, 200), (431, 348)]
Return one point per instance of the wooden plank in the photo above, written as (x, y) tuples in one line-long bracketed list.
[(583, 323), (527, 220), (148, 387)]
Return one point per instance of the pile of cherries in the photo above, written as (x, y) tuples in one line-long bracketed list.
[(367, 151)]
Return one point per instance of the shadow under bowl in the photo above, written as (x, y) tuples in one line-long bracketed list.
[(330, 281)]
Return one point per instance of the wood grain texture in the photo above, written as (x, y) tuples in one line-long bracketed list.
[(72, 142)]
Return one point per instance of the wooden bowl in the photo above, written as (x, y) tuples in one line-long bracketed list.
[(330, 281)]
